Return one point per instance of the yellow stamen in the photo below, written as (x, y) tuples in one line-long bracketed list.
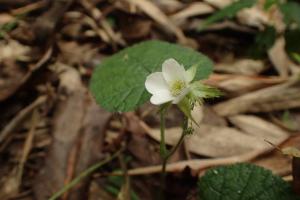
[(177, 87)]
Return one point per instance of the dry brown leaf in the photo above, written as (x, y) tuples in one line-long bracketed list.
[(74, 54), (133, 28), (169, 6), (13, 76), (211, 118), (115, 38), (9, 185), (277, 162), (254, 16), (13, 50), (281, 60), (260, 128), (235, 85), (194, 9), (276, 19), (241, 66), (6, 18), (78, 138), (278, 97), (154, 12), (214, 141), (219, 3)]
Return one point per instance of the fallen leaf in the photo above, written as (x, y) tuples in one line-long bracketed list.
[(281, 60), (78, 136), (169, 6), (259, 128), (241, 66), (154, 12), (254, 17), (219, 3), (213, 141), (13, 50), (278, 97), (238, 85), (194, 9)]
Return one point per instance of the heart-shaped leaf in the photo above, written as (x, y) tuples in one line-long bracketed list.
[(118, 84)]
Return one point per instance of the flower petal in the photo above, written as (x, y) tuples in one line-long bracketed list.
[(178, 98), (161, 98), (191, 73), (155, 82), (173, 71)]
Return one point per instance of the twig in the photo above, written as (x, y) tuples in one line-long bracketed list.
[(98, 17), (28, 144), (196, 164), (10, 127), (29, 8)]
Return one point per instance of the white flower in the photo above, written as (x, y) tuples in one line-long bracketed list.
[(170, 85)]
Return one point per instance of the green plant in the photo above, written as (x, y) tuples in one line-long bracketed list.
[(243, 182)]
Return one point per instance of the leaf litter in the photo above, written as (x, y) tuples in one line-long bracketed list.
[(46, 61)]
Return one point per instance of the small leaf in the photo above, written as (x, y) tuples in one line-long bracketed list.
[(291, 11), (296, 57), (228, 12), (292, 41), (269, 3), (118, 84), (243, 182), (263, 42)]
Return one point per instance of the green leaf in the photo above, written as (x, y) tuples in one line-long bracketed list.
[(243, 182), (118, 84), (292, 41), (269, 3), (296, 57), (228, 12), (291, 11), (263, 42)]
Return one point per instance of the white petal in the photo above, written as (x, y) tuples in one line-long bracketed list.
[(161, 98), (181, 96), (173, 71), (191, 73), (155, 82)]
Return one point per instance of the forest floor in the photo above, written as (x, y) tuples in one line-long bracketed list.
[(52, 130)]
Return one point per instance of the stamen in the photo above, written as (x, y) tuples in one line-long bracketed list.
[(177, 87)]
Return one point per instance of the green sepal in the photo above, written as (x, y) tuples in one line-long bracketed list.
[(186, 107), (199, 90)]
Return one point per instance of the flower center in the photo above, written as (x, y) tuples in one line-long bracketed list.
[(177, 87)]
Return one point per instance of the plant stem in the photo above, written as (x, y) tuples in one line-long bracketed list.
[(165, 154), (84, 174), (163, 148)]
